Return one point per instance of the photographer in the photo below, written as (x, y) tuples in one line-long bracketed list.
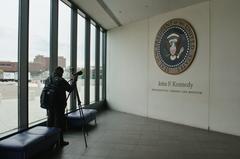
[(56, 117)]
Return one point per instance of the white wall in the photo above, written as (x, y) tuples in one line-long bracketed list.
[(133, 72), (225, 66), (127, 68), (185, 108)]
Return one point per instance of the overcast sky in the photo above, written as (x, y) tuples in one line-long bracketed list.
[(39, 27)]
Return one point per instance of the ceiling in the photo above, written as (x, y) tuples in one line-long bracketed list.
[(115, 13)]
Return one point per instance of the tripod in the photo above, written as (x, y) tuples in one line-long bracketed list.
[(80, 109)]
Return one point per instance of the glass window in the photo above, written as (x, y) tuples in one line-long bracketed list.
[(39, 29), (101, 66), (64, 33), (81, 57), (8, 65), (92, 63)]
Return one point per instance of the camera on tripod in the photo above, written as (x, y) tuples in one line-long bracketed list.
[(75, 75), (76, 95)]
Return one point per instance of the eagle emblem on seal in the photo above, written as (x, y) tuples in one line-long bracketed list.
[(175, 46)]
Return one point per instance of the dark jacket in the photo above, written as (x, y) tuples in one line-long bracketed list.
[(61, 86)]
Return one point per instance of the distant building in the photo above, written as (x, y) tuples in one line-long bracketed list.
[(61, 61), (39, 65), (8, 70), (7, 66), (36, 68), (44, 62)]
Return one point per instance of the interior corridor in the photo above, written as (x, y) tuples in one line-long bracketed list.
[(124, 136)]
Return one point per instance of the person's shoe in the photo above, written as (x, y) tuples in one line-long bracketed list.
[(64, 143)]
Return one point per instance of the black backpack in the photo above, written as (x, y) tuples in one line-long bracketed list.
[(48, 95)]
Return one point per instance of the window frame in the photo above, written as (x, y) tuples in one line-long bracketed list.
[(23, 53)]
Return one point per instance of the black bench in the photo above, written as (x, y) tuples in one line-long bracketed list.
[(28, 143), (74, 119)]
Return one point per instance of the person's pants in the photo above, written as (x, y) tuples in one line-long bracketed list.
[(57, 119)]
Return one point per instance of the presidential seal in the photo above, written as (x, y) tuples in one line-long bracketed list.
[(175, 46)]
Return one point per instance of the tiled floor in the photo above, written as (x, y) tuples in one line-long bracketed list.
[(124, 136)]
